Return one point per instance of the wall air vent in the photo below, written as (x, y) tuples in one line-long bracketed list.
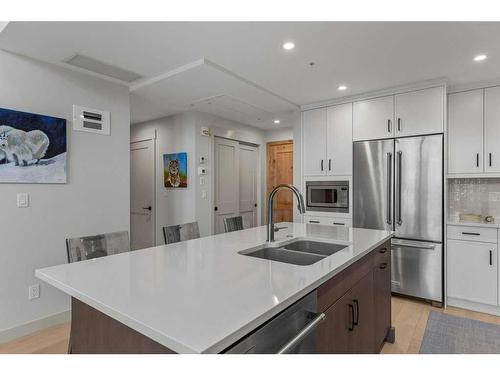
[(102, 68), (91, 120)]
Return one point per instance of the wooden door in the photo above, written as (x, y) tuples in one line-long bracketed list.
[(142, 202), (472, 271), (226, 181), (280, 171), (248, 158), (373, 118), (492, 130), (339, 140), (314, 131), (419, 112), (465, 132)]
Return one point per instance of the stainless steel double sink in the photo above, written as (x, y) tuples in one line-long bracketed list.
[(300, 252)]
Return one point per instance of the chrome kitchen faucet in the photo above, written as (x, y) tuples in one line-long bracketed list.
[(270, 222)]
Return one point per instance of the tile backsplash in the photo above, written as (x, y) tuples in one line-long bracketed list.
[(474, 196)]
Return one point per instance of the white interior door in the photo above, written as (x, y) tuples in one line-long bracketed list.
[(142, 208), (226, 181), (248, 185)]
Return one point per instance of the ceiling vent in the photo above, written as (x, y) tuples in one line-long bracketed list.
[(91, 120), (102, 68)]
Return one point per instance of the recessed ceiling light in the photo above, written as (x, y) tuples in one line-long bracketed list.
[(276, 121), (288, 46), (480, 58), (342, 88)]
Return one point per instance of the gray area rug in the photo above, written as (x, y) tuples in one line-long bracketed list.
[(448, 334)]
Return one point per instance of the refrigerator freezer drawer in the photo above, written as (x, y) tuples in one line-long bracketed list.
[(417, 269)]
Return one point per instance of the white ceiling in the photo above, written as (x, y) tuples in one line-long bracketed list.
[(243, 63)]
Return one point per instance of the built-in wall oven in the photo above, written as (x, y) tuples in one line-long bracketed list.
[(330, 196)]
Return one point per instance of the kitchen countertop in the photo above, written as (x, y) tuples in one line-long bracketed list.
[(481, 224), (200, 296)]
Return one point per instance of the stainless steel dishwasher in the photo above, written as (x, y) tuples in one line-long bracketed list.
[(291, 331)]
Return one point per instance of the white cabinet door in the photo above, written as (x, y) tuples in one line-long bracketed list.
[(339, 140), (465, 132), (373, 118), (472, 271), (419, 112), (492, 130), (314, 131)]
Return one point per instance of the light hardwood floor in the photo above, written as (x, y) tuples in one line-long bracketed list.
[(409, 317)]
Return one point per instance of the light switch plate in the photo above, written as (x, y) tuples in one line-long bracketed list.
[(23, 200)]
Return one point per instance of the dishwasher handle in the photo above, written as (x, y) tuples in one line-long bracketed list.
[(302, 334)]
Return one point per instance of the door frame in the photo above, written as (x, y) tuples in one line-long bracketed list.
[(268, 146), (154, 199), (258, 172)]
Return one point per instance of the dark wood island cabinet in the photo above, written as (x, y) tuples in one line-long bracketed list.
[(357, 305)]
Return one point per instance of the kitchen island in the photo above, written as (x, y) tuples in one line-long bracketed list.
[(203, 295)]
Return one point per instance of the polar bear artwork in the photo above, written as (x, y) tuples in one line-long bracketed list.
[(22, 148)]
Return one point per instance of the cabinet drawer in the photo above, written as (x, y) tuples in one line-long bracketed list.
[(382, 255), (459, 232), (327, 220)]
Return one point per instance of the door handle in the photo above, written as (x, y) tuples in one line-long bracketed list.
[(314, 221), (383, 250), (471, 233), (383, 266), (389, 126), (400, 171), (477, 160), (399, 124), (389, 188), (329, 164), (322, 165), (356, 321), (491, 257), (490, 158), (149, 208), (334, 223), (302, 334), (351, 309)]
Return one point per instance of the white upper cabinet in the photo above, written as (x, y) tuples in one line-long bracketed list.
[(327, 136), (314, 136), (339, 139), (492, 130), (465, 132), (373, 118), (419, 112)]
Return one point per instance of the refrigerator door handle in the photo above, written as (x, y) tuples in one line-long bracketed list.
[(389, 188), (400, 168)]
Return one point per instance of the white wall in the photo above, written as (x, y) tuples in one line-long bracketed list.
[(95, 199), (182, 133), (173, 134), (280, 134)]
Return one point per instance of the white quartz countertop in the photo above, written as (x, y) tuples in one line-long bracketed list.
[(481, 224), (200, 296)]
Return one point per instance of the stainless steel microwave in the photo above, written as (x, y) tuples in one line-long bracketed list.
[(327, 196)]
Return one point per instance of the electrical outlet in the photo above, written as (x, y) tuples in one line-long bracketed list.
[(34, 291), (23, 200)]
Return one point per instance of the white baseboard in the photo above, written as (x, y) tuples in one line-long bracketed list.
[(474, 306), (35, 325)]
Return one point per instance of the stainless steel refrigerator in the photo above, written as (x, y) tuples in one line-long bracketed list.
[(398, 185)]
